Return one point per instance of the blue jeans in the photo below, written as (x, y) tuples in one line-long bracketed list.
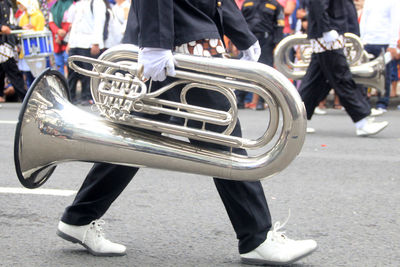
[(61, 61), (394, 72), (376, 50)]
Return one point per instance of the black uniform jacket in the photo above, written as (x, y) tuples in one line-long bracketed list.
[(264, 16), (354, 26), (5, 6), (326, 15), (169, 23)]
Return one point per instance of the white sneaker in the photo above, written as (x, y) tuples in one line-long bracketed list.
[(376, 112), (319, 111), (383, 109), (310, 130), (371, 128), (91, 236), (277, 249)]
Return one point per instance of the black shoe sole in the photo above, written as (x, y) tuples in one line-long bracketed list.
[(74, 240)]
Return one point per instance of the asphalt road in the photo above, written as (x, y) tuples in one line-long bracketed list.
[(342, 191)]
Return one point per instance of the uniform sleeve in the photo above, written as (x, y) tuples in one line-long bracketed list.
[(155, 22), (318, 9), (235, 26), (132, 28), (279, 24)]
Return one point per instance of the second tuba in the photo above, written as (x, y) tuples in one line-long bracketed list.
[(365, 72)]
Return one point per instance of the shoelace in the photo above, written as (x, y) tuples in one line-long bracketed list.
[(280, 235), (96, 224)]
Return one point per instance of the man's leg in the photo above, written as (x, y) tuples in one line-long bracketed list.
[(103, 184), (335, 68), (59, 60), (74, 76), (80, 222), (15, 75), (376, 50), (313, 88)]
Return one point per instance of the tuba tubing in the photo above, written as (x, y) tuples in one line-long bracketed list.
[(50, 130)]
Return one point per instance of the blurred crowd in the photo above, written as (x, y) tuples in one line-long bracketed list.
[(377, 25), (88, 27), (44, 33)]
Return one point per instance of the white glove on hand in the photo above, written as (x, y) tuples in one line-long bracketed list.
[(157, 63), (252, 53), (330, 36)]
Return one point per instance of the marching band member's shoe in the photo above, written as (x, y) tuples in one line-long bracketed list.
[(371, 127), (319, 111), (277, 249), (384, 110), (376, 112), (91, 236), (310, 130)]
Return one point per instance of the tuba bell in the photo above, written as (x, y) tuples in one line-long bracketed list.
[(50, 130), (367, 72)]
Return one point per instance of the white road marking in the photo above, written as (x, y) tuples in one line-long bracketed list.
[(37, 191), (8, 122)]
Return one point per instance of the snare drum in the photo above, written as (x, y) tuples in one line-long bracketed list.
[(37, 44)]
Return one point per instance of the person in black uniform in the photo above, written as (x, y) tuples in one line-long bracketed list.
[(8, 65), (328, 20), (195, 27), (266, 20)]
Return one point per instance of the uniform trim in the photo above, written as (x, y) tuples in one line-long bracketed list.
[(270, 6)]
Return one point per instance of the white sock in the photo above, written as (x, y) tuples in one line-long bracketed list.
[(359, 124)]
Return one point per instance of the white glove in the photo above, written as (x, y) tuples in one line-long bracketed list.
[(157, 63), (252, 53), (330, 36)]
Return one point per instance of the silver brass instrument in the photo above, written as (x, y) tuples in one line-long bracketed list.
[(365, 72), (51, 130)]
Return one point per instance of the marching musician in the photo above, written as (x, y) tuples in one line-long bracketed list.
[(328, 20), (266, 20), (8, 64), (191, 27)]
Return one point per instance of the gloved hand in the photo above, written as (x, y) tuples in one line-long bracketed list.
[(330, 36), (157, 63), (252, 53)]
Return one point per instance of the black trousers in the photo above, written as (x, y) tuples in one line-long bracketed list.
[(15, 76), (267, 50), (329, 70), (245, 202), (74, 77)]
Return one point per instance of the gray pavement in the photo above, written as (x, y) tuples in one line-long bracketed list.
[(341, 190)]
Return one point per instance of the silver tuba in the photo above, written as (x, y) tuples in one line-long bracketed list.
[(366, 72), (51, 130)]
